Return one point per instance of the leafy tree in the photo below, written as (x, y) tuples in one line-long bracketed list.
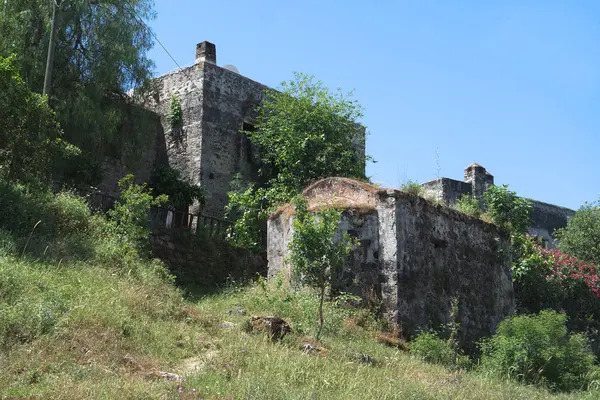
[(30, 135), (317, 253), (507, 210), (181, 193), (581, 237), (100, 54), (304, 133)]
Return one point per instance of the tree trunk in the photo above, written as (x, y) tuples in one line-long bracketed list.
[(321, 312)]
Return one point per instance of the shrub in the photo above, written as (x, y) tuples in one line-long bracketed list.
[(182, 193), (131, 211), (507, 210), (551, 279), (429, 347), (538, 349), (469, 205)]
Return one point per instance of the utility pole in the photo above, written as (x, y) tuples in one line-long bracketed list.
[(51, 46)]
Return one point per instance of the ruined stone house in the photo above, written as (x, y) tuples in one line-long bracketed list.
[(217, 102), (545, 218), (415, 256)]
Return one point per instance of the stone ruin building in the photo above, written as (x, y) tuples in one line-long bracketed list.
[(545, 218), (217, 102), (414, 256)]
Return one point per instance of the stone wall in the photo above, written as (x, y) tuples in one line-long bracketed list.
[(447, 190), (415, 257), (113, 169), (199, 260), (546, 218), (229, 100)]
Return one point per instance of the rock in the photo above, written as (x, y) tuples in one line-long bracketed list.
[(155, 375), (227, 325), (236, 310), (274, 326), (365, 359)]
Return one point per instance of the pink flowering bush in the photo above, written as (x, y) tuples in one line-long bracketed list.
[(551, 279)]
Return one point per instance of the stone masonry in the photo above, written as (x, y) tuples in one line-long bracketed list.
[(414, 256), (545, 218), (217, 103)]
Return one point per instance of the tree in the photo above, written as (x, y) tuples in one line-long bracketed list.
[(316, 251), (30, 136), (100, 54), (507, 210), (304, 133), (581, 237)]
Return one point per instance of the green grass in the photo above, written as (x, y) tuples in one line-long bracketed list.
[(76, 331)]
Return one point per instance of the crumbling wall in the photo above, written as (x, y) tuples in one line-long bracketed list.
[(229, 100), (546, 218), (443, 254), (415, 257)]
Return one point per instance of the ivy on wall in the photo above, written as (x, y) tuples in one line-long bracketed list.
[(175, 116)]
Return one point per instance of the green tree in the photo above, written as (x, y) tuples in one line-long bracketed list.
[(317, 252), (581, 237), (507, 210), (30, 135), (304, 133), (100, 54), (181, 193)]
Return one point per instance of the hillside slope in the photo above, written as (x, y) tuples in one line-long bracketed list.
[(79, 331)]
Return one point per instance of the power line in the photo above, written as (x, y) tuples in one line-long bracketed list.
[(131, 9)]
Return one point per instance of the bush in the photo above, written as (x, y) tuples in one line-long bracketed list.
[(469, 205), (538, 349), (507, 210), (429, 347)]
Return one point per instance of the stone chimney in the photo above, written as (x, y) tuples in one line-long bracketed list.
[(206, 52), (479, 179)]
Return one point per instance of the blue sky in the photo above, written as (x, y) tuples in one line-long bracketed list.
[(511, 85)]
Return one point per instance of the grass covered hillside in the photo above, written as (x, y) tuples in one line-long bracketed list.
[(82, 331), (85, 313)]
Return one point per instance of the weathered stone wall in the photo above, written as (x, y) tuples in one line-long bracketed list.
[(442, 254), (447, 190), (414, 256), (229, 100), (183, 145), (200, 260), (546, 218), (153, 152)]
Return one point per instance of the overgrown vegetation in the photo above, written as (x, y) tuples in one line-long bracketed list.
[(581, 237), (539, 349), (317, 252), (304, 133), (180, 191), (413, 187), (31, 143), (101, 53), (469, 205), (175, 116), (507, 210)]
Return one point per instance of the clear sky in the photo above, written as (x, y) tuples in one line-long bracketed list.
[(511, 85)]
